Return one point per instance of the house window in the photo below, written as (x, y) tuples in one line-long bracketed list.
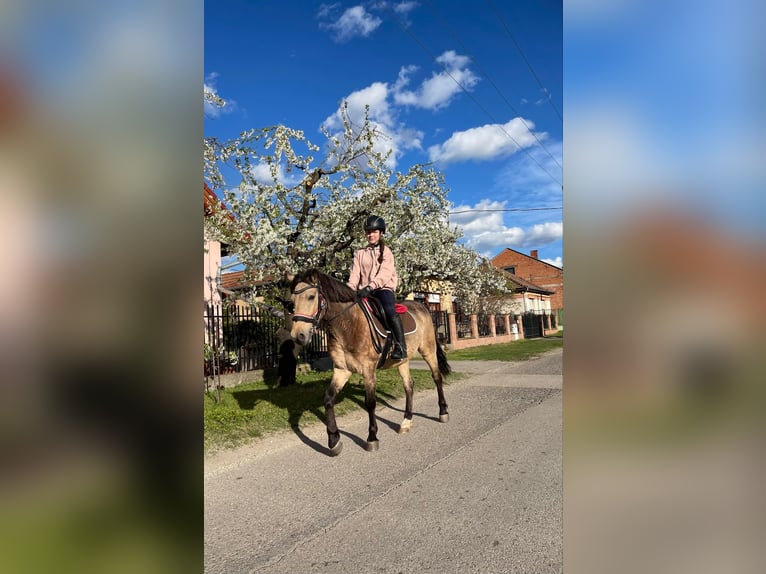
[(511, 269)]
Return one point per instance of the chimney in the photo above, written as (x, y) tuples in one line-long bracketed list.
[(533, 253)]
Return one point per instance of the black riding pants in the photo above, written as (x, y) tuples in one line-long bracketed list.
[(386, 299)]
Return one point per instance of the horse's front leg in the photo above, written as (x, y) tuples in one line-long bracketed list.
[(339, 379), (404, 372), (370, 383)]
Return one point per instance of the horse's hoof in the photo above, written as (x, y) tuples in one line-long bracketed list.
[(405, 427), (335, 451), (372, 445), (444, 418)]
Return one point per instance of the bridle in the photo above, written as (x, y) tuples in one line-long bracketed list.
[(321, 307)]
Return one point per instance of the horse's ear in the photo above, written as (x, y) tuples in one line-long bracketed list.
[(289, 277)]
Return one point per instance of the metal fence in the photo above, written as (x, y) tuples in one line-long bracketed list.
[(482, 322), (463, 325), (243, 338), (440, 320), (500, 325), (316, 349)]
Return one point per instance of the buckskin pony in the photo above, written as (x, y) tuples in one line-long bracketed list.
[(322, 301)]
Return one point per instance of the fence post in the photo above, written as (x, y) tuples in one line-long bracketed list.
[(507, 320), (474, 326), (452, 326)]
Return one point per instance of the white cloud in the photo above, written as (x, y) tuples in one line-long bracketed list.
[(355, 21), (395, 136), (558, 262), (485, 231), (375, 96), (402, 10), (487, 142), (403, 79), (544, 233), (405, 7), (437, 91), (212, 110), (326, 10), (262, 174)]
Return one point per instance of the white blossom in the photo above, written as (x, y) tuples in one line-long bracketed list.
[(283, 227)]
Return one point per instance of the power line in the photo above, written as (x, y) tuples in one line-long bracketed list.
[(510, 209), (489, 79), (475, 101), (531, 69)]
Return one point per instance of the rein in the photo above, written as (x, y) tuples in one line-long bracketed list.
[(322, 308), (346, 308)]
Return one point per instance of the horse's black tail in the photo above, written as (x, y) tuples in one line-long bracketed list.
[(441, 357)]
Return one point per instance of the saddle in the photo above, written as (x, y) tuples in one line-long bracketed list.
[(379, 329)]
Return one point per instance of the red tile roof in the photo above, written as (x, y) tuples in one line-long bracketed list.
[(213, 204), (236, 280)]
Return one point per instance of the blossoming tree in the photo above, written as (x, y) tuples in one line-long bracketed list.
[(299, 205)]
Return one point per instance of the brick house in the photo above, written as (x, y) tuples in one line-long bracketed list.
[(529, 268)]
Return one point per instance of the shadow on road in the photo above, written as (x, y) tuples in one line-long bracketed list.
[(304, 402), (401, 410)]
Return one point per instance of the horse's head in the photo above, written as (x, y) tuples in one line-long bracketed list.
[(309, 305)]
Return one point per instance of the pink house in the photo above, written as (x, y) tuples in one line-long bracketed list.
[(213, 252)]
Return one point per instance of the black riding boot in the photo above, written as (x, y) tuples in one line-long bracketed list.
[(399, 351)]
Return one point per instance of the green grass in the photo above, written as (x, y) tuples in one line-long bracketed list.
[(514, 351), (255, 409), (252, 410)]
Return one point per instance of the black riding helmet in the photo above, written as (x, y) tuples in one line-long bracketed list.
[(374, 222)]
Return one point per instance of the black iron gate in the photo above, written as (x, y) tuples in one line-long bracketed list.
[(533, 325)]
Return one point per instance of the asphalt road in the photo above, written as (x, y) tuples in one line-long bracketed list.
[(481, 493)]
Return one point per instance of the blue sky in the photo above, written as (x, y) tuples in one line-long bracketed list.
[(474, 87), (665, 112)]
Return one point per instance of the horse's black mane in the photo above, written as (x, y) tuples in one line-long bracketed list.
[(335, 291)]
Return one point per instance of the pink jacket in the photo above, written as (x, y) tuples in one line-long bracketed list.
[(366, 271)]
